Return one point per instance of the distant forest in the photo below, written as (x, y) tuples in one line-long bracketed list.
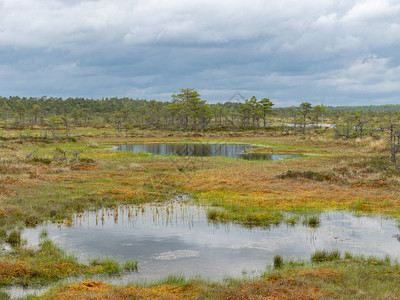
[(187, 111), (372, 108)]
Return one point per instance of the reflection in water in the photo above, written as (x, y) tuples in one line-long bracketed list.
[(177, 238), (203, 150), (181, 149), (267, 156)]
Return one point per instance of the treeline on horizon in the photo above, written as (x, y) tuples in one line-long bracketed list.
[(58, 105), (187, 111), (366, 108)]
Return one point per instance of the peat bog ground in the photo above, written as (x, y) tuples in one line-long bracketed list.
[(60, 180)]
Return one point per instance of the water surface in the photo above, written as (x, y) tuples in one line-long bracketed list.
[(177, 238), (203, 150)]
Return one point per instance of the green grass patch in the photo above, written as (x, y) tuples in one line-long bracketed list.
[(131, 265), (27, 266), (325, 255), (292, 220), (109, 265), (245, 216)]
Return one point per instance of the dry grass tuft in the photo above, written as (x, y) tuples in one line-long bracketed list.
[(378, 145), (132, 167)]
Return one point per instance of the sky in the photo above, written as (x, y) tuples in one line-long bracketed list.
[(336, 52)]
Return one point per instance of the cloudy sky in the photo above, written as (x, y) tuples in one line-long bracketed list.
[(341, 52)]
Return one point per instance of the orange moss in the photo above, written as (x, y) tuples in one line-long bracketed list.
[(9, 181), (7, 212), (123, 192), (5, 191), (259, 186), (318, 273), (279, 288), (85, 167), (99, 290)]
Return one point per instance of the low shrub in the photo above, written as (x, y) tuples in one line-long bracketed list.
[(317, 176), (86, 160), (42, 160)]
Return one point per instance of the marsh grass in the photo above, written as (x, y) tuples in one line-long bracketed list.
[(131, 265), (113, 266), (312, 221), (248, 217), (278, 261), (362, 206), (325, 255), (43, 234), (215, 215), (14, 238), (292, 220), (172, 279), (4, 295), (110, 265), (348, 255)]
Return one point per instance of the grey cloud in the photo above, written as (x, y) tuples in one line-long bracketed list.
[(289, 50)]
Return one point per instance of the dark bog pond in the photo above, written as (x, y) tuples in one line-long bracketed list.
[(177, 238), (203, 150)]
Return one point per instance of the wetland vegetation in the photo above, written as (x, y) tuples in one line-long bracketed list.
[(60, 177)]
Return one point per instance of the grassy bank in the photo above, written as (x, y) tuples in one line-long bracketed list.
[(327, 276), (48, 263)]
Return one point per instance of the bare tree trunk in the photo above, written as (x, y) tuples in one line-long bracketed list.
[(119, 126), (393, 146)]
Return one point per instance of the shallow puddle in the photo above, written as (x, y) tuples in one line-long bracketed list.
[(177, 238), (203, 150), (19, 292)]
